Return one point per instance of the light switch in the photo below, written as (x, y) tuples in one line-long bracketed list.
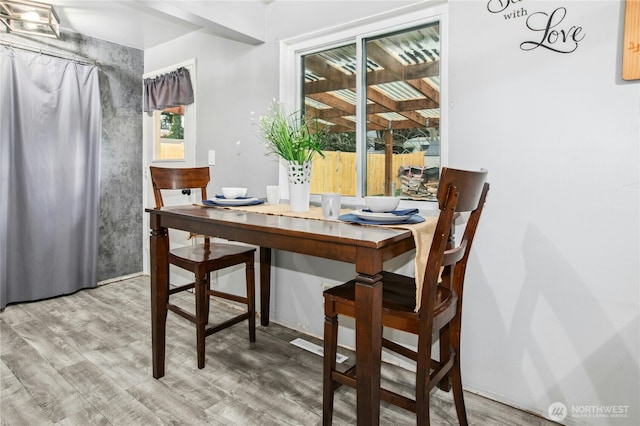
[(212, 157)]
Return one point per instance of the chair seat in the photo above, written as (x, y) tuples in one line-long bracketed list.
[(211, 256), (398, 301)]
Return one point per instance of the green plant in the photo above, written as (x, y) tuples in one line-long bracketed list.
[(290, 135)]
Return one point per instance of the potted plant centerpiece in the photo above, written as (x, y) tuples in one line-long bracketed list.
[(295, 139)]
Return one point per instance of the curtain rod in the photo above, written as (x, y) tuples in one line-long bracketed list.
[(34, 49)]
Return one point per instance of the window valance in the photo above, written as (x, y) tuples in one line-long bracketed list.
[(168, 90)]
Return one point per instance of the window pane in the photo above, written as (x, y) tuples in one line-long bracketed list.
[(169, 135), (403, 113), (330, 95)]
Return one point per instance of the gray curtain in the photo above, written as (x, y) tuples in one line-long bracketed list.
[(168, 90), (50, 125)]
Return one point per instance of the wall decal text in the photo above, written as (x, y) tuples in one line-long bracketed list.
[(550, 31), (554, 36)]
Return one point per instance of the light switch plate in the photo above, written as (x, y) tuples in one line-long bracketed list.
[(212, 157)]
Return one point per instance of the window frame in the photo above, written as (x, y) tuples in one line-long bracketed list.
[(292, 50), (149, 120)]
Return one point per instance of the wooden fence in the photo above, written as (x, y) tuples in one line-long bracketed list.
[(171, 149), (336, 172)]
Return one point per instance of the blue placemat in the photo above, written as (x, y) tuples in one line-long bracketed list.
[(350, 217), (212, 203)]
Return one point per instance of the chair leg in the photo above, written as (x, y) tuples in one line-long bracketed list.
[(251, 298), (330, 350), (458, 396), (445, 353), (423, 369), (207, 299), (456, 377), (201, 286)]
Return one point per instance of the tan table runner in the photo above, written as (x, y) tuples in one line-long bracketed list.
[(422, 232)]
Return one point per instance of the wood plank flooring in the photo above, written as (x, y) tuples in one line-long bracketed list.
[(85, 359)]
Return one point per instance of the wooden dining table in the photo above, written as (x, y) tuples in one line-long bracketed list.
[(367, 247)]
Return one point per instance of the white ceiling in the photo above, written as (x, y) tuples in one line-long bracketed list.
[(143, 24)]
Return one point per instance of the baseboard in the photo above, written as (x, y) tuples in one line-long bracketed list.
[(122, 278)]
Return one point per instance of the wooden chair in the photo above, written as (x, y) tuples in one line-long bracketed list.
[(202, 259), (439, 317)]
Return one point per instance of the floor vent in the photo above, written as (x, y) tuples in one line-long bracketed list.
[(318, 350)]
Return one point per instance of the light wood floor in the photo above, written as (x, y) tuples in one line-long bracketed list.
[(85, 359)]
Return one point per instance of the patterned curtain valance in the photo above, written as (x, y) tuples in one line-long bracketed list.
[(168, 90)]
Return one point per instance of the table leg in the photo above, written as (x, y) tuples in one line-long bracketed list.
[(368, 347), (265, 284), (158, 251)]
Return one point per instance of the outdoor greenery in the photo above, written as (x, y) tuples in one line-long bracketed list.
[(172, 123)]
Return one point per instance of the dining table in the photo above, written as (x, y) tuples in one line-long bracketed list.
[(367, 247)]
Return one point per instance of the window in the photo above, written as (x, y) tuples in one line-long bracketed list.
[(377, 92), (169, 123), (169, 134)]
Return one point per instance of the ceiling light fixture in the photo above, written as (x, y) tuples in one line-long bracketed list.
[(29, 17)]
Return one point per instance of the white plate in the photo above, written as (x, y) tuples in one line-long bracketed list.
[(234, 201), (380, 217)]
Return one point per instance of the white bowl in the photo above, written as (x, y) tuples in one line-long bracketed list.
[(380, 204), (234, 192)]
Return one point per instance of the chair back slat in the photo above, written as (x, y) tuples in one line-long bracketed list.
[(472, 183), (178, 178), (452, 256), (467, 241), (438, 247), (459, 191)]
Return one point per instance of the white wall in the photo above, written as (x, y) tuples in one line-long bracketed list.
[(233, 79), (552, 302)]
